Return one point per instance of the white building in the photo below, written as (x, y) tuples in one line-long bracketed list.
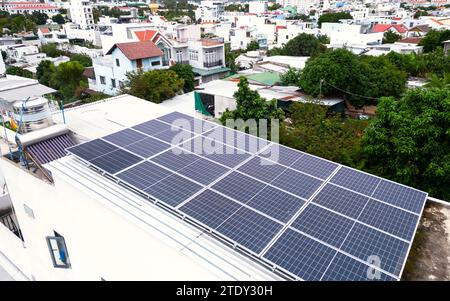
[(52, 36), (257, 7), (24, 7), (340, 33), (81, 13), (111, 69), (210, 11)]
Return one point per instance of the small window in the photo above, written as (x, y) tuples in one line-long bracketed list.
[(102, 80), (113, 83), (156, 63), (58, 251), (117, 63)]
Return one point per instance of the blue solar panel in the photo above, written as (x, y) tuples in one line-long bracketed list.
[(363, 242), (300, 255), (250, 229), (281, 154), (143, 175), (125, 137), (147, 147), (344, 268), (173, 190), (341, 200), (174, 116), (389, 219), (276, 203), (236, 139), (203, 171), (401, 196), (356, 181), (324, 225), (239, 187), (314, 166), (92, 149), (115, 161), (174, 136), (262, 169), (210, 208), (297, 183), (152, 127), (175, 159)]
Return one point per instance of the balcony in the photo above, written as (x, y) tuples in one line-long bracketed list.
[(212, 64)]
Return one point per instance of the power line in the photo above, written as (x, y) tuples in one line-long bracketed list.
[(342, 90)]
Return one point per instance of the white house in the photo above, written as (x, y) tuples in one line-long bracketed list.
[(340, 33), (81, 13), (52, 36), (110, 70), (210, 11)]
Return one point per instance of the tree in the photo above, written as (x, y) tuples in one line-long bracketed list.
[(83, 59), (333, 17), (230, 58), (303, 45), (291, 77), (436, 81), (419, 14), (361, 80), (252, 46), (51, 50), (58, 19), (390, 37), (155, 85), (68, 78), (274, 6), (250, 105), (433, 39), (408, 141), (317, 131), (44, 72), (39, 18), (185, 72), (13, 70)]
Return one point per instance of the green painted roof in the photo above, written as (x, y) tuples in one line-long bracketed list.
[(204, 72), (265, 78)]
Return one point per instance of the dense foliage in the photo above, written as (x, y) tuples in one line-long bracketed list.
[(253, 45), (155, 85), (291, 77), (333, 17), (58, 19), (185, 72), (302, 45), (391, 37), (409, 141), (433, 39), (12, 70), (360, 79)]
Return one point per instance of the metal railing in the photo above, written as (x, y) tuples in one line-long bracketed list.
[(9, 223), (212, 64)]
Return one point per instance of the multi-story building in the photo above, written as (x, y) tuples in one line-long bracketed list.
[(111, 69), (257, 7), (52, 36), (28, 7), (210, 11), (81, 13)]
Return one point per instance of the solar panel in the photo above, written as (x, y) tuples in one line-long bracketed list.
[(324, 225), (401, 196), (314, 166), (143, 175), (356, 181), (147, 147), (262, 169), (203, 171), (173, 190), (115, 161), (300, 255), (390, 219), (341, 200), (345, 268), (210, 208), (152, 127), (364, 243), (239, 187), (250, 229), (297, 183), (92, 149), (274, 202), (125, 137)]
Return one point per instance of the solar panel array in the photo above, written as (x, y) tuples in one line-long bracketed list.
[(306, 217)]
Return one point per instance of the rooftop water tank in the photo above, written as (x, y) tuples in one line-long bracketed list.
[(36, 114)]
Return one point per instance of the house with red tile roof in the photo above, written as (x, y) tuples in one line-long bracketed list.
[(397, 28), (111, 70)]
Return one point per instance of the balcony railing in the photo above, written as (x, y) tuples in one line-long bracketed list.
[(184, 62), (212, 64)]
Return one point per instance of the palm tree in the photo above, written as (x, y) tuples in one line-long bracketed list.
[(435, 81)]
